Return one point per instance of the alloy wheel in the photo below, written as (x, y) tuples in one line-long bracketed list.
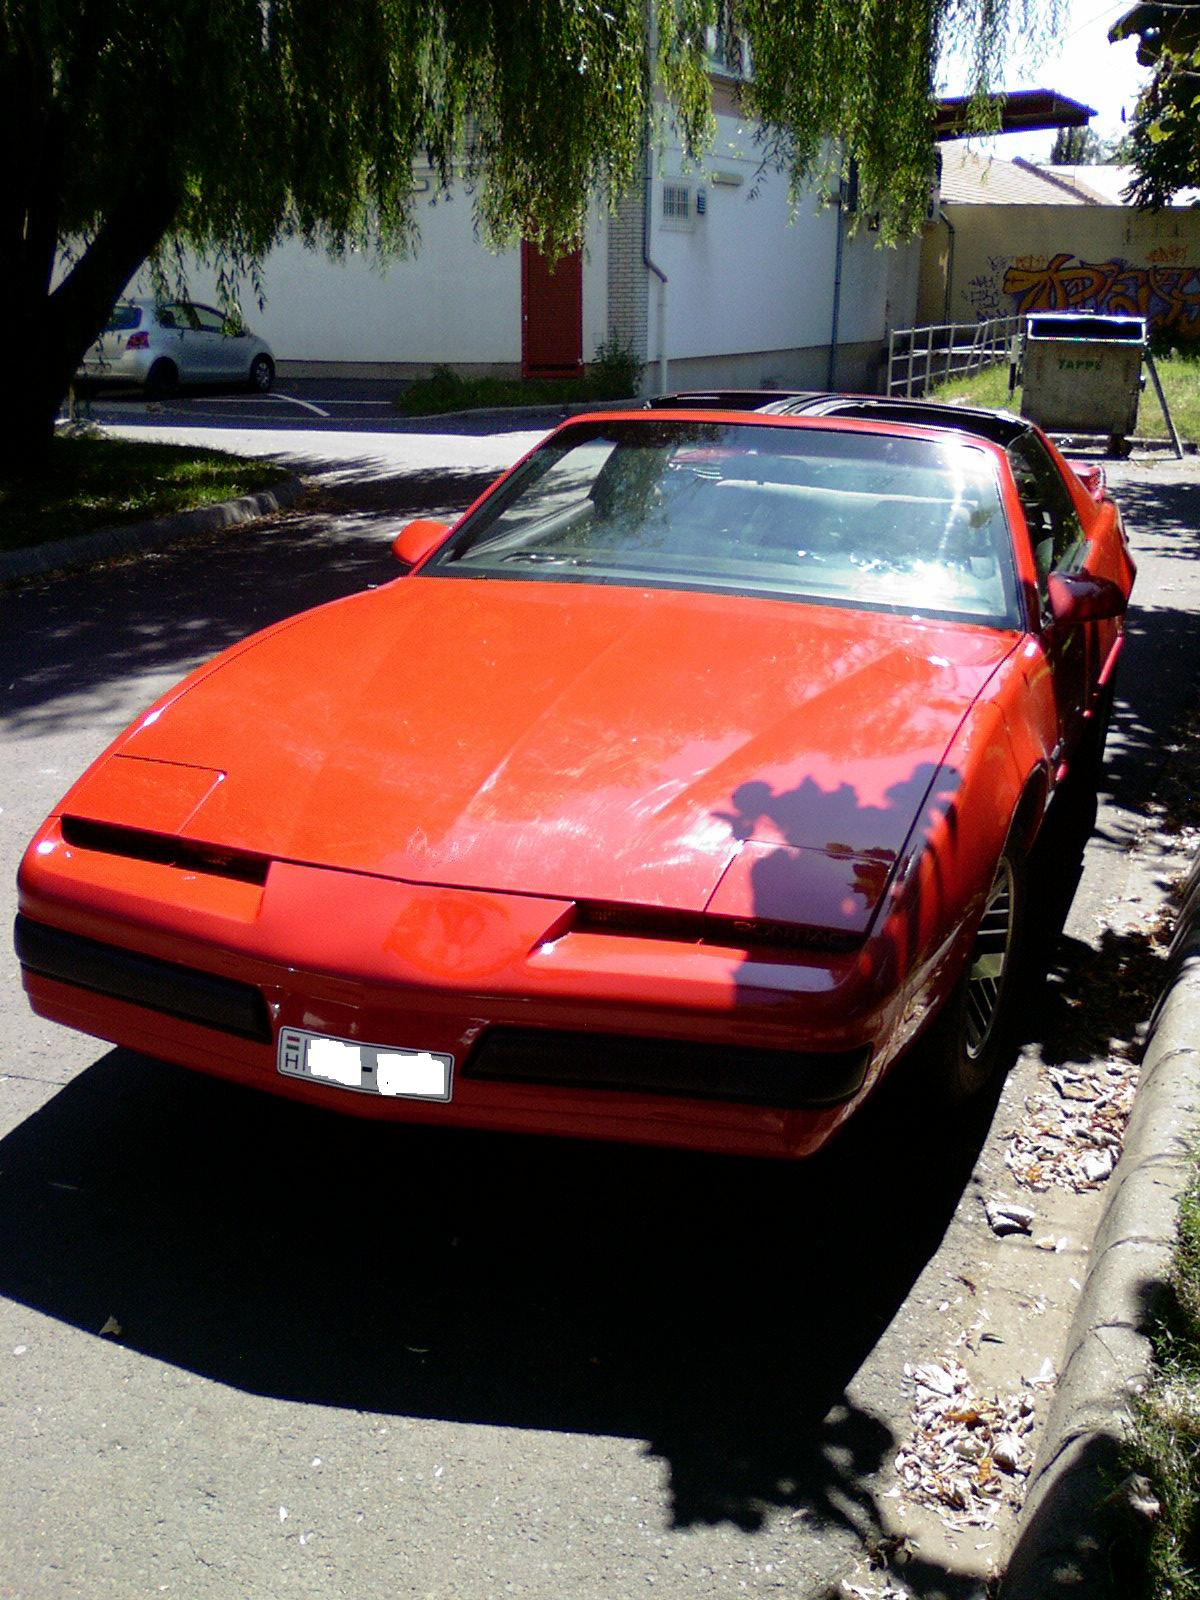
[(990, 958)]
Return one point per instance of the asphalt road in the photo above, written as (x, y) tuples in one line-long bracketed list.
[(352, 1361), (322, 404)]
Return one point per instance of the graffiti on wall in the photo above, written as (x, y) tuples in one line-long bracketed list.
[(984, 292), (1166, 290)]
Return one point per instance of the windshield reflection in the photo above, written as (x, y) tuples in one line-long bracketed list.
[(848, 518)]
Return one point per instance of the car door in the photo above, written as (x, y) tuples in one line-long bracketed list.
[(181, 340), (227, 351), (204, 343), (1059, 542)]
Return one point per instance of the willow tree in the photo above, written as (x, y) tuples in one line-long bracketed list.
[(1164, 140), (133, 129)]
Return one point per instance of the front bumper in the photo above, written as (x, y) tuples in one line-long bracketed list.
[(553, 1030)]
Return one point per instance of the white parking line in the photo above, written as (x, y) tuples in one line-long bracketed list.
[(291, 399), (251, 399)]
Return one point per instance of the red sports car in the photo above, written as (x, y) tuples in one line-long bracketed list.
[(670, 796)]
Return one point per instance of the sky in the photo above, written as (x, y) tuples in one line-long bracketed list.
[(1080, 63)]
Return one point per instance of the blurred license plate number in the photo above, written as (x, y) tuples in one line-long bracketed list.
[(365, 1068)]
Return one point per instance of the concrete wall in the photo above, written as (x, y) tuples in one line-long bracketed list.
[(1002, 260)]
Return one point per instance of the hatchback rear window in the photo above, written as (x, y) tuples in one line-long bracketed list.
[(122, 318)]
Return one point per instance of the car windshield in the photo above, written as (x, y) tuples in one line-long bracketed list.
[(123, 317), (841, 517)]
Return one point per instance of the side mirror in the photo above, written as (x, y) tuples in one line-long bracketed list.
[(418, 539), (1079, 597)]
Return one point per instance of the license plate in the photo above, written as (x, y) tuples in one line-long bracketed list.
[(365, 1068)]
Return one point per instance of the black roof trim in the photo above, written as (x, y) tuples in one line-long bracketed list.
[(729, 399), (999, 427)]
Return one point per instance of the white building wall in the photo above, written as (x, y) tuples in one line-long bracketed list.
[(740, 278), (878, 292), (750, 297), (595, 283), (453, 302)]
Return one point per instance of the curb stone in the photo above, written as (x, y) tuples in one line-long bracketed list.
[(1061, 1551), (156, 534)]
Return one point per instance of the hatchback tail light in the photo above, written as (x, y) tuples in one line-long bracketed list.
[(138, 341)]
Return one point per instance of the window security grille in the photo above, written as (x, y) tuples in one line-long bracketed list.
[(677, 205)]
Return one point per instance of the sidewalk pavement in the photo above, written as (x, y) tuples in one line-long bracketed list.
[(1062, 1547)]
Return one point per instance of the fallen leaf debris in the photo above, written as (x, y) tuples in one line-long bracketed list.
[(967, 1457), (1071, 1134)]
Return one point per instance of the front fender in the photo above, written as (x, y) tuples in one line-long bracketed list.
[(950, 859)]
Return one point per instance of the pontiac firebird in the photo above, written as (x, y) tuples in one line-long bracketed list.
[(670, 796)]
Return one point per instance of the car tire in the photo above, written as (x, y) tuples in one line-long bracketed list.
[(262, 375), (162, 380), (972, 1036)]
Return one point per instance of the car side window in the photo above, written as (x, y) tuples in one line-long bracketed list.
[(182, 315), (1054, 526), (208, 320)]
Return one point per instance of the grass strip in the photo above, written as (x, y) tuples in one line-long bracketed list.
[(1180, 376), (1165, 1443), (88, 482)]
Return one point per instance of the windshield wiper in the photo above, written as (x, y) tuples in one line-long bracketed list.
[(549, 558)]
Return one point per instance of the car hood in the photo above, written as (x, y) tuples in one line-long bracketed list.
[(599, 743)]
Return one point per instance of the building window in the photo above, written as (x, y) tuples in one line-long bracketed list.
[(728, 51), (677, 209)]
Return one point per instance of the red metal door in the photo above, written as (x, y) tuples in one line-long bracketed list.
[(551, 314)]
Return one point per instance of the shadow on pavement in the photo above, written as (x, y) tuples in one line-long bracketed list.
[(717, 1309), (1162, 651), (162, 615)]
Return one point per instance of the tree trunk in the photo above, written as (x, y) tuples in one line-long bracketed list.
[(53, 328)]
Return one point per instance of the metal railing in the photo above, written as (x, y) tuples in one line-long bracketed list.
[(919, 358)]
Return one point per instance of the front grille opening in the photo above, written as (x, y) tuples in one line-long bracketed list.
[(784, 1079), (700, 927), (137, 844), (176, 991)]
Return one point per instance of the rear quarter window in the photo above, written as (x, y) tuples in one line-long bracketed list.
[(1051, 516)]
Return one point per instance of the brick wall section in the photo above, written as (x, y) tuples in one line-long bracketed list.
[(627, 286)]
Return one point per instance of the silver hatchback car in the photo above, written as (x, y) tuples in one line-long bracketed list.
[(162, 344)]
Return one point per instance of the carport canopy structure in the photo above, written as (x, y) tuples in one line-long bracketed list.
[(1021, 111)]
